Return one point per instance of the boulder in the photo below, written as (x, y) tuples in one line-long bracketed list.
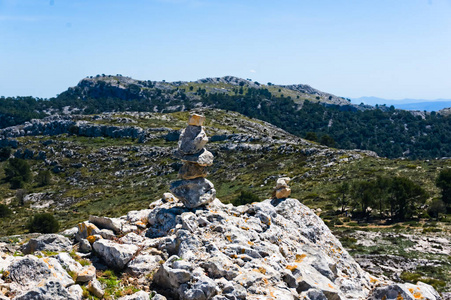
[(192, 140), (115, 255), (144, 264), (85, 229), (194, 192), (48, 242), (50, 290), (406, 291), (106, 223), (203, 158), (192, 171), (30, 271), (169, 277)]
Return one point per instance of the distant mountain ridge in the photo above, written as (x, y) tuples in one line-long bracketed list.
[(406, 104), (298, 109)]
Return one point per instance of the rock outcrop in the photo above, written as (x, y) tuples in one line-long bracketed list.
[(274, 249), (194, 189)]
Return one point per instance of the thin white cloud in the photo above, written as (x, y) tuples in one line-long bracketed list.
[(252, 71)]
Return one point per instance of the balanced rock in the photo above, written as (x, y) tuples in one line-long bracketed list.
[(196, 120), (194, 192), (282, 190), (203, 158), (192, 171), (192, 140), (283, 193), (282, 182)]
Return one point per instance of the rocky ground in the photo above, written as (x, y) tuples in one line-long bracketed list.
[(113, 163), (275, 249)]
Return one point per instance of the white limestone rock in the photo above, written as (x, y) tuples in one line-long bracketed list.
[(95, 288), (192, 140), (203, 158), (194, 192), (47, 242), (115, 255)]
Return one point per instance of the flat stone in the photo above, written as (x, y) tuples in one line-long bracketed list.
[(192, 171), (194, 192), (196, 120), (192, 140), (203, 158), (86, 274)]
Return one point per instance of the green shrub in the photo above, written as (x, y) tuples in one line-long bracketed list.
[(410, 277), (429, 229), (4, 211), (17, 172), (43, 223), (245, 197), (5, 153), (436, 208), (44, 178)]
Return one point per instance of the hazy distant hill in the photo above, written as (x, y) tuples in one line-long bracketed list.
[(408, 104)]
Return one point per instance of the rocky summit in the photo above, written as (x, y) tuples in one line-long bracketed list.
[(190, 246), (275, 249)]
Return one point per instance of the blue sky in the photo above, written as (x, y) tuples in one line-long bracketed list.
[(391, 49)]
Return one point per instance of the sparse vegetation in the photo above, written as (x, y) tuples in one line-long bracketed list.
[(43, 223)]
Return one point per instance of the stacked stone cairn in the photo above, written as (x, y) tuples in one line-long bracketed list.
[(282, 190), (194, 189)]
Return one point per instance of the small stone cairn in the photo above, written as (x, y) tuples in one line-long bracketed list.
[(282, 190), (194, 189)]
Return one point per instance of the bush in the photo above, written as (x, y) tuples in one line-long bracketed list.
[(4, 211), (43, 223), (5, 153), (44, 178), (245, 197), (17, 172), (436, 208), (443, 182)]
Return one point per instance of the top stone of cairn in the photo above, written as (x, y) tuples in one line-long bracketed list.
[(196, 120)]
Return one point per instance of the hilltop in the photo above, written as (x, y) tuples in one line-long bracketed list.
[(277, 248), (298, 109), (108, 164)]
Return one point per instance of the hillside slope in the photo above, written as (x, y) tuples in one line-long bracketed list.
[(298, 109)]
